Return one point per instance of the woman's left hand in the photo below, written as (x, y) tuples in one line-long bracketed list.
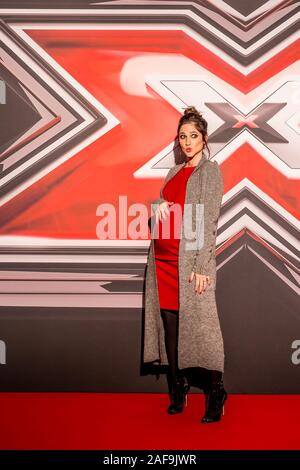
[(201, 281)]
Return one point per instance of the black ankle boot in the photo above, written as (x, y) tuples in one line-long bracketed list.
[(178, 395), (215, 400)]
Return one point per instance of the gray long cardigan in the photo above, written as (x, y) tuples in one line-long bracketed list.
[(200, 341)]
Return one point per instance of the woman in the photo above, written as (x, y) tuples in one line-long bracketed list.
[(182, 328)]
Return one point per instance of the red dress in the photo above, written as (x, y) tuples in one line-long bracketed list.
[(166, 250)]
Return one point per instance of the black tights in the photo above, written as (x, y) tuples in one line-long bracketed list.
[(170, 321)]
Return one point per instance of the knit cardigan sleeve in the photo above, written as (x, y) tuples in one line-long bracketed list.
[(161, 199), (155, 203), (212, 186)]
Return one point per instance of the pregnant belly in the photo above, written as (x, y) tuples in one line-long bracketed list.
[(166, 243)]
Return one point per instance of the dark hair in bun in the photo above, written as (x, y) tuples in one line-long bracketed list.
[(192, 115)]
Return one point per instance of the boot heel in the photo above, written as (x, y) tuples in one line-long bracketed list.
[(214, 406)]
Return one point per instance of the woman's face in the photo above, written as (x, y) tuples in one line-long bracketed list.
[(190, 139)]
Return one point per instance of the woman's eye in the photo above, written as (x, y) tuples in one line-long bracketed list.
[(182, 136)]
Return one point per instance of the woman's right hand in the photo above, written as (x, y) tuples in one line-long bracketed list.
[(163, 210)]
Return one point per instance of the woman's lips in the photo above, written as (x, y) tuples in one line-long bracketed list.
[(188, 149)]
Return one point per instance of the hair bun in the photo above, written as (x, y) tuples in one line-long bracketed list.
[(192, 110)]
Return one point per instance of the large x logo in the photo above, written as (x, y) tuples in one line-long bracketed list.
[(256, 122)]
